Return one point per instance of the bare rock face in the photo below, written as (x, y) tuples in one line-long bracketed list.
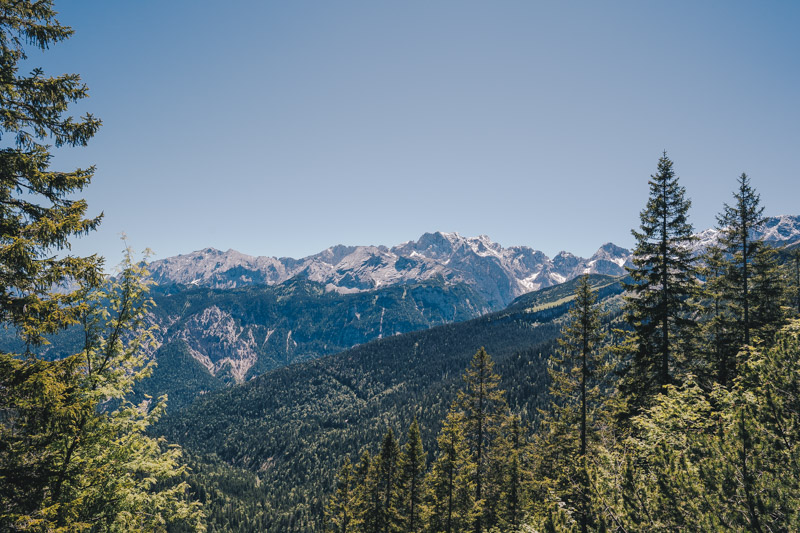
[(236, 334), (218, 343)]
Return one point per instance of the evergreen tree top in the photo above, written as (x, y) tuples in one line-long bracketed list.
[(38, 214)]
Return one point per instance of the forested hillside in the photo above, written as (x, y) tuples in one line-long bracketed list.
[(687, 417), (287, 431), (211, 338)]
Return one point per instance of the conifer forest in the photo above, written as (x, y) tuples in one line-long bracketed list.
[(663, 399)]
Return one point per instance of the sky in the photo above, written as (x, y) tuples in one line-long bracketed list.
[(281, 128)]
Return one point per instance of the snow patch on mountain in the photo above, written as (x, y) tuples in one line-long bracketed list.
[(781, 230)]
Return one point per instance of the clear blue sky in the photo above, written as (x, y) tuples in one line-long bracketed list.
[(284, 127)]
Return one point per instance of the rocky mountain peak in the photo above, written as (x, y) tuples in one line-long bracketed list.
[(498, 274)]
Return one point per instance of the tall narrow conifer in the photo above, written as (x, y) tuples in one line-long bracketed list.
[(449, 487), (719, 326), (754, 288), (485, 413), (577, 373), (737, 224), (387, 480), (339, 511), (365, 501), (664, 278), (794, 276), (409, 484)]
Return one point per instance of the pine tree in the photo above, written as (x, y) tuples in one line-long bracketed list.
[(516, 480), (38, 212), (658, 304), (737, 224), (387, 474), (485, 415), (365, 502), (719, 326), (577, 374), (409, 483), (794, 276), (450, 487), (769, 291), (754, 288), (339, 511)]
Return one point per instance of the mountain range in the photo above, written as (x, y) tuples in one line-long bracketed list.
[(498, 274)]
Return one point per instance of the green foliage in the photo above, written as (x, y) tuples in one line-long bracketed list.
[(412, 468), (475, 481), (38, 214), (73, 449), (726, 459), (450, 486), (516, 489), (754, 289), (339, 511), (485, 412), (292, 426), (744, 282), (658, 303), (793, 274), (386, 487), (578, 387), (719, 338)]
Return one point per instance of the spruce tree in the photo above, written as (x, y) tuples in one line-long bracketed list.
[(515, 484), (39, 213), (449, 486), (769, 292), (409, 484), (387, 474), (577, 375), (339, 511), (365, 502), (73, 450), (485, 415), (719, 327), (664, 279), (794, 277), (754, 287), (737, 224)]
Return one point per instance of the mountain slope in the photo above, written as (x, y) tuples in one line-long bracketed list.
[(210, 338), (288, 429), (236, 334)]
